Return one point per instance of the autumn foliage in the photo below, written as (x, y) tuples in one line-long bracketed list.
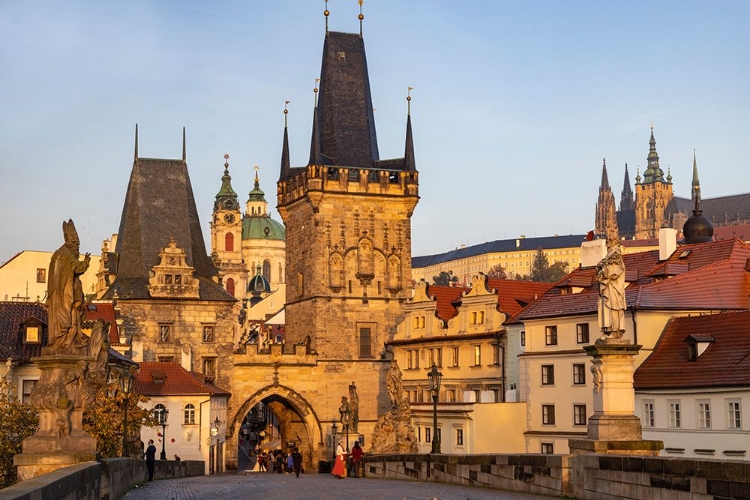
[(17, 422)]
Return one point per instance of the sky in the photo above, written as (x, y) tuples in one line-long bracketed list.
[(514, 106)]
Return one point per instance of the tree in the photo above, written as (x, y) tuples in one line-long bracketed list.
[(444, 278), (103, 420), (542, 271), (17, 422), (497, 271)]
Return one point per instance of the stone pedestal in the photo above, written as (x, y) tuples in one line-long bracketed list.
[(60, 397), (614, 428)]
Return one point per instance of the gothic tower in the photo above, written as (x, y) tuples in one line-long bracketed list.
[(348, 218), (651, 196), (606, 217)]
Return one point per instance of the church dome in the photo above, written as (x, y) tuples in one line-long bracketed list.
[(258, 285), (262, 228)]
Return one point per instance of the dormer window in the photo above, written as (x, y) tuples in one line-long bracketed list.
[(32, 334), (697, 345)]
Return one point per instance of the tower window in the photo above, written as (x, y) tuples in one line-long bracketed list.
[(230, 286), (365, 342), (229, 242)]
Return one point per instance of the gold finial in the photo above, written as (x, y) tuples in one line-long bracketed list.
[(360, 16), (286, 111), (326, 13), (315, 93), (256, 173), (408, 99), (226, 161)]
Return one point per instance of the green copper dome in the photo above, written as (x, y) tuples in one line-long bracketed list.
[(262, 227)]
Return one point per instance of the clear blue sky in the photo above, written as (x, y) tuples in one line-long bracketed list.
[(514, 104)]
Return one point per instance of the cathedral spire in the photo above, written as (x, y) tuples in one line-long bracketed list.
[(653, 172), (409, 163), (605, 177), (284, 170), (696, 185), (626, 195), (606, 216)]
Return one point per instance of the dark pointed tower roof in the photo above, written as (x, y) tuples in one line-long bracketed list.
[(284, 170), (315, 158), (409, 162), (697, 229), (653, 172), (605, 178), (346, 121), (159, 206), (696, 184), (627, 201)]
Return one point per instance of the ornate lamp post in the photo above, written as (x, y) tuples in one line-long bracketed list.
[(435, 377), (126, 383), (334, 430), (345, 418), (163, 414)]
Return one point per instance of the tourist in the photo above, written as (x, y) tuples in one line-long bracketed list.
[(150, 459), (279, 462), (356, 460), (297, 461), (339, 469), (289, 463)]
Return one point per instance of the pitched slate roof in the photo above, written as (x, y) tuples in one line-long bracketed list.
[(709, 275), (177, 381), (722, 210), (12, 316), (497, 246), (160, 205), (725, 363)]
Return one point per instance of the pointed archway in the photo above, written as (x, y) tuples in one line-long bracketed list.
[(298, 423)]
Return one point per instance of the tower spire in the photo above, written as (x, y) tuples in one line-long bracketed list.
[(315, 158), (360, 16), (696, 185), (626, 195), (326, 13), (135, 156), (605, 177), (409, 163), (284, 170), (184, 150)]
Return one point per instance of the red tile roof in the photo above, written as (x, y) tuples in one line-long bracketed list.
[(12, 316), (105, 311), (445, 296), (514, 295), (177, 381), (701, 276), (725, 363)]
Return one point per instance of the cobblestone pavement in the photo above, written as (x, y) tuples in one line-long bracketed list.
[(267, 486)]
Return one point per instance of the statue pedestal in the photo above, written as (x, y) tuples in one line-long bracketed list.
[(60, 397), (614, 428)]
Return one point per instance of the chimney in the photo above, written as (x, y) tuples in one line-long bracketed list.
[(667, 242), (592, 252)]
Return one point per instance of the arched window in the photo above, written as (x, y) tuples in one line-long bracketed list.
[(189, 414), (157, 412), (229, 242), (267, 270), (230, 286)]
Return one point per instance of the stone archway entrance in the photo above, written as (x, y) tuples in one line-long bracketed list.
[(293, 420)]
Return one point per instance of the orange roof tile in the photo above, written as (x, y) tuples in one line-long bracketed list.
[(105, 311), (725, 363), (445, 296), (177, 381)]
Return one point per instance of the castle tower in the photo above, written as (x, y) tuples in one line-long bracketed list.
[(606, 216), (348, 218), (651, 196)]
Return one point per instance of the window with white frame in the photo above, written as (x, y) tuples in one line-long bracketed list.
[(436, 356), (459, 437), (412, 359), (189, 414), (550, 335), (454, 356), (582, 333), (477, 358), (523, 338), (675, 416), (548, 448), (427, 436), (704, 414), (579, 414), (648, 413), (548, 374), (548, 414), (579, 374), (734, 416)]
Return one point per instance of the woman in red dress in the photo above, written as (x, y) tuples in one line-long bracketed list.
[(339, 467)]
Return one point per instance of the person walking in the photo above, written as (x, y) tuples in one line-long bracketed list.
[(356, 461), (150, 459), (289, 463), (339, 467), (297, 461)]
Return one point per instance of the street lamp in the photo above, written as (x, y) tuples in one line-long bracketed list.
[(163, 414), (126, 383), (435, 377), (334, 430), (215, 427), (346, 416)]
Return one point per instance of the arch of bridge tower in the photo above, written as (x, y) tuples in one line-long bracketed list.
[(296, 402)]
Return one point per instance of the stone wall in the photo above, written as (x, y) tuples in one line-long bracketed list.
[(599, 477)]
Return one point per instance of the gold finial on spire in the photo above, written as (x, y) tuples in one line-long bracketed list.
[(286, 111), (226, 161), (256, 173), (326, 13), (408, 100), (315, 93), (360, 16)]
